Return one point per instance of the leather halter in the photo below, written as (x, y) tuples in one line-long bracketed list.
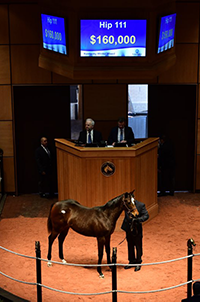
[(127, 208), (129, 211)]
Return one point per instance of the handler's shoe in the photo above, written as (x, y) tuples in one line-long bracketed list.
[(137, 268), (128, 266)]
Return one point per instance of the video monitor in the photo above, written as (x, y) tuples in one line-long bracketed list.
[(53, 33), (166, 32), (113, 38)]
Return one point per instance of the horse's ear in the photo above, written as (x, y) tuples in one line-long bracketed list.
[(126, 195), (132, 193)]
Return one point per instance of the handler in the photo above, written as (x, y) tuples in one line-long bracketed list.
[(133, 228)]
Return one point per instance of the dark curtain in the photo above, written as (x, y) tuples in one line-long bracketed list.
[(38, 111), (172, 112)]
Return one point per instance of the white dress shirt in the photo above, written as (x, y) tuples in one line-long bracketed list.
[(119, 135)]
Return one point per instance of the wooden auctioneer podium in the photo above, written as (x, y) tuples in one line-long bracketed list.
[(93, 176)]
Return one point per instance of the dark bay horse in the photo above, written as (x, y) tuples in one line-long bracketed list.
[(96, 222)]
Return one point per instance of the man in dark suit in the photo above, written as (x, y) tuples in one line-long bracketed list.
[(121, 133), (90, 135), (43, 158), (133, 228), (196, 291)]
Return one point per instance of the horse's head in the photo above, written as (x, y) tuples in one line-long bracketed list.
[(129, 203)]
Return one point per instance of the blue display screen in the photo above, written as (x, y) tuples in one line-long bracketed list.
[(113, 38), (53, 33), (167, 32)]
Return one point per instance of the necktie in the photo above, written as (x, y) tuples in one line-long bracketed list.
[(48, 152), (89, 138), (121, 135)]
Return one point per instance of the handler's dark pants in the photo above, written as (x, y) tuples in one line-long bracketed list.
[(134, 243)]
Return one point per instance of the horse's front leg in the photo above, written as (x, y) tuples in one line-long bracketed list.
[(101, 242), (107, 245), (52, 237), (61, 239)]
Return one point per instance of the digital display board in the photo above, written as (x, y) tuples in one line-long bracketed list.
[(167, 32), (113, 38), (53, 33)]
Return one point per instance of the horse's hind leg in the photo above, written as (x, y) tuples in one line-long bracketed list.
[(52, 237), (61, 239), (101, 242)]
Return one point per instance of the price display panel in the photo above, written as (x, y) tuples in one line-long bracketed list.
[(53, 33), (167, 33), (113, 38)]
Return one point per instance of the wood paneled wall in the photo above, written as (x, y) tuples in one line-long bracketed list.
[(19, 52), (186, 69), (104, 103)]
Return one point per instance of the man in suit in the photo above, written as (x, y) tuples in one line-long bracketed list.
[(196, 291), (90, 135), (43, 158), (133, 228), (121, 133)]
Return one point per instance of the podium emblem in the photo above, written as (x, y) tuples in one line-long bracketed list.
[(108, 168)]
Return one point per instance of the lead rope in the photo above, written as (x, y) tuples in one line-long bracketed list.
[(129, 212), (122, 241)]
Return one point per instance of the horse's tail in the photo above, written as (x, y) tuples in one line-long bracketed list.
[(49, 223)]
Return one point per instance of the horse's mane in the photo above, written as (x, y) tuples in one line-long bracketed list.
[(112, 202), (107, 205)]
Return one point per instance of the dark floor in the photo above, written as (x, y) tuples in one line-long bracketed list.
[(32, 205), (27, 205), (8, 297)]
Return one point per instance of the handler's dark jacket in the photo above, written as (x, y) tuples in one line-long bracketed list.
[(143, 216)]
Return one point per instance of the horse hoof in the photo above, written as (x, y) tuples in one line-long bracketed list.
[(49, 263), (64, 261), (101, 275)]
